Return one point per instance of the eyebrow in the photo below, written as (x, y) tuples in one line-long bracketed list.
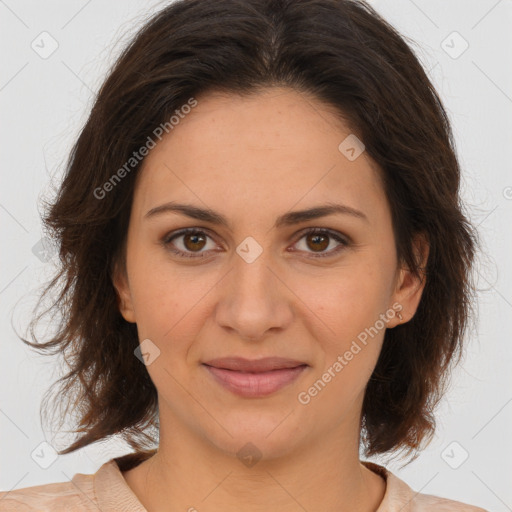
[(288, 219)]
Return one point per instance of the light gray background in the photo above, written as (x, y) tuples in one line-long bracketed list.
[(43, 103)]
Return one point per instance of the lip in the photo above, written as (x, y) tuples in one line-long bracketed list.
[(264, 364), (254, 378)]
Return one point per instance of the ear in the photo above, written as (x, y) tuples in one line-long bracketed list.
[(122, 287), (409, 287)]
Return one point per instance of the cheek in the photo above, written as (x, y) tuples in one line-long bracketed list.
[(349, 348), (168, 302), (154, 297), (164, 311), (167, 311), (345, 319), (350, 301)]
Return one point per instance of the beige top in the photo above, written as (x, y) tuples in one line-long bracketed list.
[(107, 491)]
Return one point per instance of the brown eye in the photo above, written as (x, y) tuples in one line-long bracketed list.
[(317, 242), (194, 241), (188, 243)]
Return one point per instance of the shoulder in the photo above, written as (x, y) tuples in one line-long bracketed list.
[(424, 502), (399, 496), (77, 494), (105, 490)]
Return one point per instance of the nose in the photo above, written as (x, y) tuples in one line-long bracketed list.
[(255, 300)]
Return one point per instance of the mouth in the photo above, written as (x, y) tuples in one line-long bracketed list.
[(254, 378), (265, 364)]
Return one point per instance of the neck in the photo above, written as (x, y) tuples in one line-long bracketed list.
[(188, 473)]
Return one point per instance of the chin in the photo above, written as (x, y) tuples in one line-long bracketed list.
[(258, 436)]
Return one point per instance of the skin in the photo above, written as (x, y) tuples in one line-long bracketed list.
[(253, 159)]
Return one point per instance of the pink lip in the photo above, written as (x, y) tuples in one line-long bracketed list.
[(264, 364), (256, 378)]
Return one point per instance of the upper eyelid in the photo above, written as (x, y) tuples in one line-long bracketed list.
[(345, 239)]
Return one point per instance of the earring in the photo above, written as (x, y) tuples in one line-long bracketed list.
[(399, 315)]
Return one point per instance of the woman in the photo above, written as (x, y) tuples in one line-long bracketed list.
[(265, 264)]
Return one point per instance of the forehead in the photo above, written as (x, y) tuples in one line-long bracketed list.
[(269, 151)]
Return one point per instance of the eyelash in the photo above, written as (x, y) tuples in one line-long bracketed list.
[(166, 241)]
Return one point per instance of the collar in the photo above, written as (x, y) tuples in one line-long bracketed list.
[(113, 493)]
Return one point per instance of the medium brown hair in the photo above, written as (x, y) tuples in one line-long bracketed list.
[(340, 52)]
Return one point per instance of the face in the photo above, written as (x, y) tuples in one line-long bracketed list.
[(316, 290)]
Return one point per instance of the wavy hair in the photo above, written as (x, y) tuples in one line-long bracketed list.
[(343, 54)]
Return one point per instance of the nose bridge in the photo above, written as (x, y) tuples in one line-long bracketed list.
[(253, 281), (254, 301)]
